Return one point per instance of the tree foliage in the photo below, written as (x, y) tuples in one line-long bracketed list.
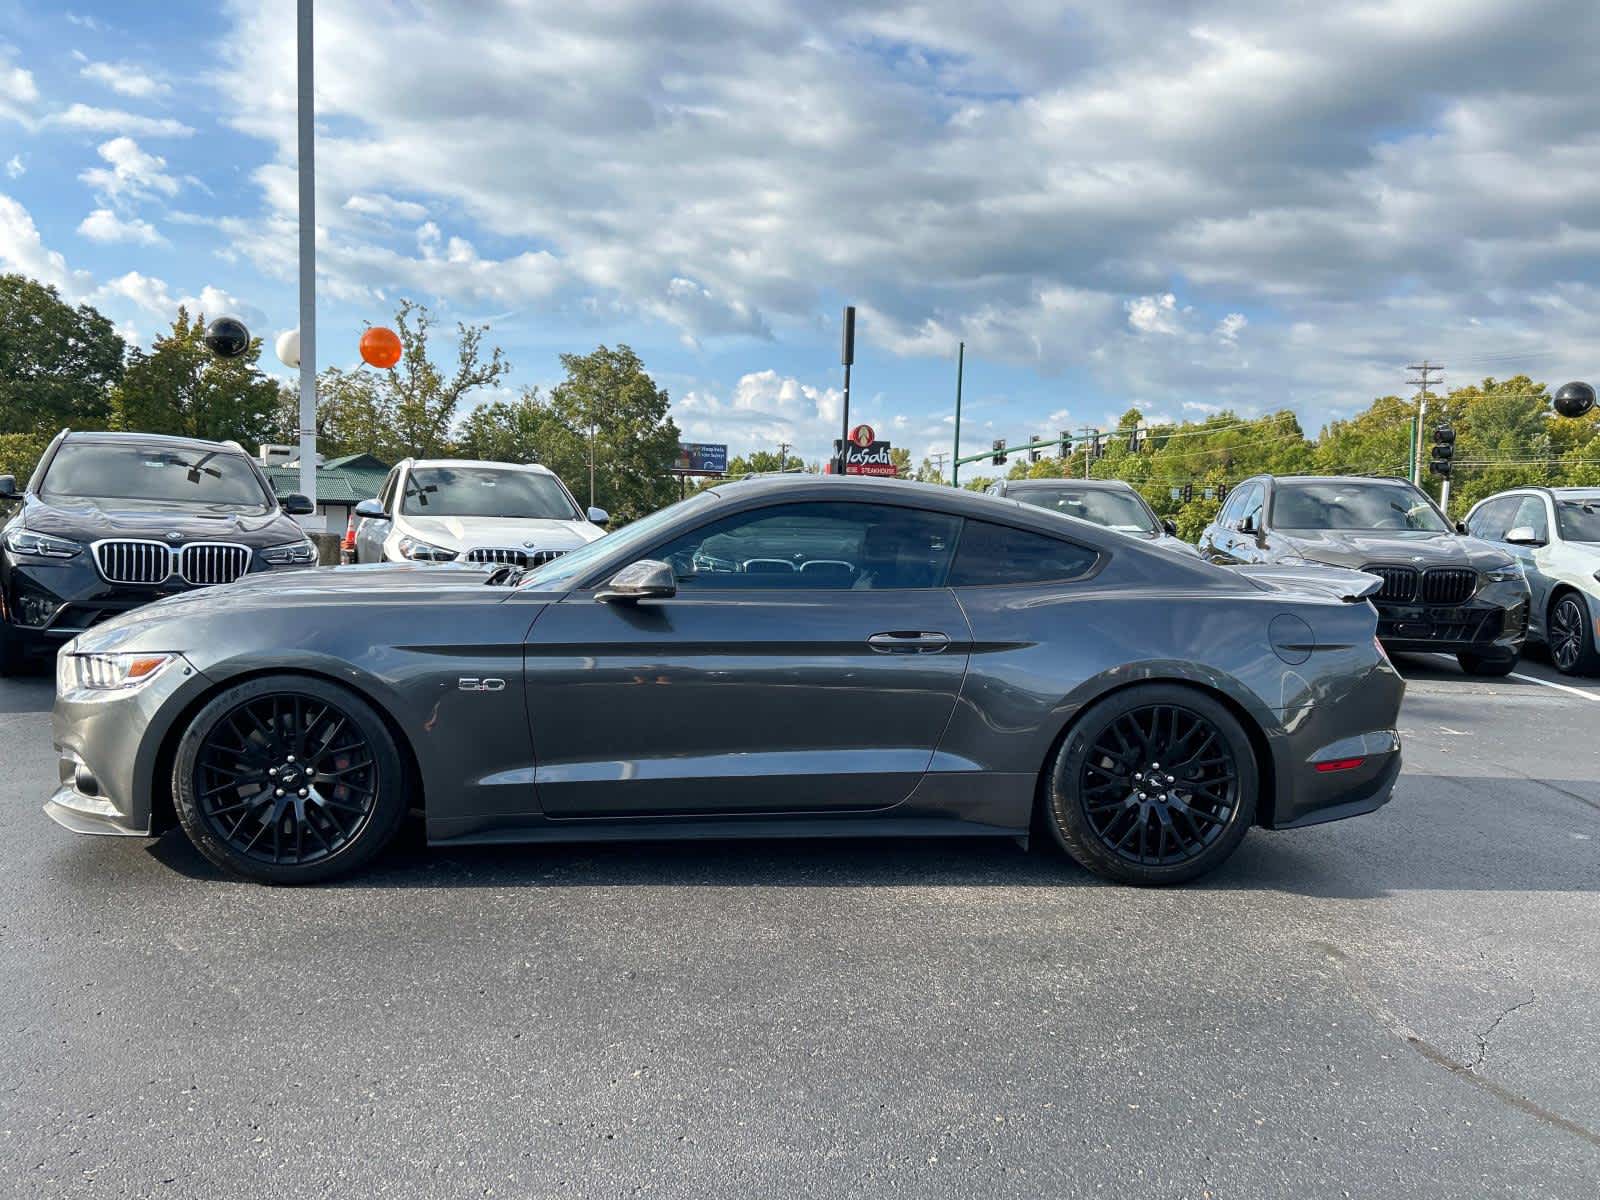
[(57, 364), (179, 387)]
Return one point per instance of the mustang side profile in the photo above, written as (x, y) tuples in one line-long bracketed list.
[(773, 658)]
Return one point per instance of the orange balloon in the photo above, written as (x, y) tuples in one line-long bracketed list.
[(380, 347)]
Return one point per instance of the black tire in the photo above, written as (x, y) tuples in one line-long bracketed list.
[(345, 793), (1205, 805), (1569, 632), (1491, 665)]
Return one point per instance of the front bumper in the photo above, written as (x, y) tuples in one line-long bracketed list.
[(1494, 623), (113, 740)]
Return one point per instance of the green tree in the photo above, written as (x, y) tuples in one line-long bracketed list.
[(420, 399), (20, 453), (57, 363), (181, 388), (901, 458), (526, 430), (630, 440)]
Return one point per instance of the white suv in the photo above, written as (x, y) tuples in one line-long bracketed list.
[(451, 510)]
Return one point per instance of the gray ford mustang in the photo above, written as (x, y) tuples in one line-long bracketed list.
[(776, 658)]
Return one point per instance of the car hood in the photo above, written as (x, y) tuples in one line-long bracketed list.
[(86, 520), (1418, 548), (1167, 542), (170, 621), (466, 533)]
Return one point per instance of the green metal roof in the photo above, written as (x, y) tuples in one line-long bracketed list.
[(347, 480)]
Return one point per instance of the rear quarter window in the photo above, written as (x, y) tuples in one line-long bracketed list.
[(990, 555)]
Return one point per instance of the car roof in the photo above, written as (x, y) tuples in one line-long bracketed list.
[(1329, 479), (1575, 493), (163, 440), (531, 468), (1101, 485)]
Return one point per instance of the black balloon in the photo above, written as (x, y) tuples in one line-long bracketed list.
[(1574, 399), (227, 337)]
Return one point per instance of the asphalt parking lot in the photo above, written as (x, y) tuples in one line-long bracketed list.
[(1400, 1005)]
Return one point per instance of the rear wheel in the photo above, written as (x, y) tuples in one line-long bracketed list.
[(288, 780), (1154, 785), (1486, 664), (1571, 636)]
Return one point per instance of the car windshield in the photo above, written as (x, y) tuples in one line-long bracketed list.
[(1357, 504), (486, 492), (1579, 519), (1111, 507), (636, 537), (109, 471)]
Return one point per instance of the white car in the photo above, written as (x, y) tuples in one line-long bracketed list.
[(452, 510), (1555, 534)]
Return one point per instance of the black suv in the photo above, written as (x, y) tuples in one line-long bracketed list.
[(111, 521), (1442, 591)]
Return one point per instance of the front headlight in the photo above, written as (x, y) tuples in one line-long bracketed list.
[(1511, 573), (293, 554), (421, 551), (107, 672), (40, 545)]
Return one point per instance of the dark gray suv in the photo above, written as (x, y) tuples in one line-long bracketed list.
[(1442, 591), (110, 521)]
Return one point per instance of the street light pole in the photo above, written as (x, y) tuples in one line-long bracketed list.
[(955, 457), (306, 101)]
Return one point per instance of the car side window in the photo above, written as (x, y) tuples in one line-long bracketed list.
[(1251, 506), (992, 554), (386, 493), (1489, 522), (1531, 512), (826, 544), (1229, 512)]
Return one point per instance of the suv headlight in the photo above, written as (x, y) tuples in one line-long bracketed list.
[(107, 672), (421, 551), (40, 545), (1510, 573), (293, 554)]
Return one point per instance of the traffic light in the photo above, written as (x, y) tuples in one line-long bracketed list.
[(1034, 452), (999, 452), (1222, 491), (1188, 492), (1096, 446), (1066, 443), (1444, 449)]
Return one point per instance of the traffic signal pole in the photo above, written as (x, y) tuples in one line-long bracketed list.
[(955, 450)]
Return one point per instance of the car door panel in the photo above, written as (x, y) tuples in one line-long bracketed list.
[(746, 701)]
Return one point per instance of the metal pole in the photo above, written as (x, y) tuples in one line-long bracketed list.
[(1444, 497), (591, 453), (308, 256), (955, 457)]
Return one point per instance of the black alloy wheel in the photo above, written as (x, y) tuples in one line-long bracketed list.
[(289, 780), (1154, 785), (1571, 637)]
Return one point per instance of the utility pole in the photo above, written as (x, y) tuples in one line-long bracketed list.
[(305, 96), (938, 457), (783, 456), (847, 357), (955, 457), (1424, 374)]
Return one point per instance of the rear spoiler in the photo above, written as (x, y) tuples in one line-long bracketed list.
[(1350, 586)]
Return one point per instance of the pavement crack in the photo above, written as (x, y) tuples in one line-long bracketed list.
[(1560, 791), (1483, 1037)]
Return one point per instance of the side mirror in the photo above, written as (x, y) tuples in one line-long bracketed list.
[(8, 487), (1523, 535), (1246, 525), (371, 510), (598, 516), (1461, 527), (647, 579), (1169, 527), (297, 505)]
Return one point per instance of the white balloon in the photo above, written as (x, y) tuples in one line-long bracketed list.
[(288, 347)]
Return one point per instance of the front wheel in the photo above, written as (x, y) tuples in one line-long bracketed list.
[(1486, 664), (1572, 647), (287, 779), (1153, 785)]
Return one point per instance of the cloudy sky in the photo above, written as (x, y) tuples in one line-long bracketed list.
[(1182, 205)]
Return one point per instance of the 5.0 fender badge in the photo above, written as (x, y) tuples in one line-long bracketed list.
[(481, 685)]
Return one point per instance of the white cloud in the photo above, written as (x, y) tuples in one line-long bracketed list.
[(764, 410), (126, 79), (380, 207), (23, 250), (1155, 314), (103, 225), (130, 173), (18, 92), (146, 292), (15, 167), (1231, 326), (90, 119)]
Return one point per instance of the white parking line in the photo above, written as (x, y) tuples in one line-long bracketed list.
[(1560, 687)]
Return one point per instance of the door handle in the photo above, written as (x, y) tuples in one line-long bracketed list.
[(908, 641)]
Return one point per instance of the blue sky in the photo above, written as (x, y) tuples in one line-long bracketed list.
[(1183, 206)]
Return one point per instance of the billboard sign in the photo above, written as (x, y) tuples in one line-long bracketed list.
[(701, 458), (864, 454)]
